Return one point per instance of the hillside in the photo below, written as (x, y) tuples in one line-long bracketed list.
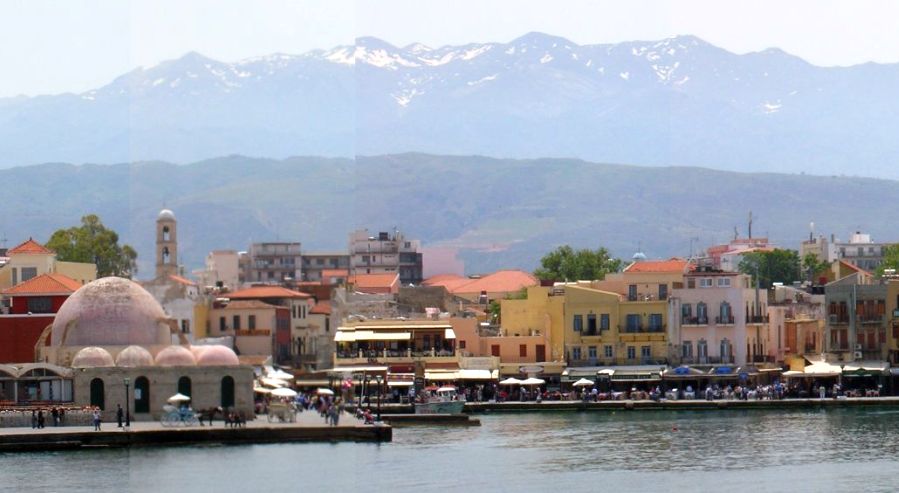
[(501, 213)]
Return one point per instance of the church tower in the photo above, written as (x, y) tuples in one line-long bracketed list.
[(166, 244)]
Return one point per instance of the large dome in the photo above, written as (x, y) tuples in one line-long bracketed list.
[(110, 312)]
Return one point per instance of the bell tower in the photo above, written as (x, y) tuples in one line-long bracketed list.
[(166, 244)]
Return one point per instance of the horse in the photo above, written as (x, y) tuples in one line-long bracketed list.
[(209, 414)]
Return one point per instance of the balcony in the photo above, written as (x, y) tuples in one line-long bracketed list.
[(694, 320), (757, 319), (870, 319), (388, 356), (724, 320), (835, 319)]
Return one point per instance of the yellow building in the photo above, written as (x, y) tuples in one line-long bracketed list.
[(31, 259), (542, 312), (604, 328)]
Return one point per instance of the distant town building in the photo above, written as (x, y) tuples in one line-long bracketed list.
[(316, 263), (271, 263), (31, 259), (384, 253), (221, 270)]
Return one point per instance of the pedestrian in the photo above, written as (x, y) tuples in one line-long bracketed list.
[(40, 419), (33, 419), (97, 418), (119, 414), (62, 415), (55, 414)]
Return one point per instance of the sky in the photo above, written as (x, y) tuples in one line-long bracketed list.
[(53, 46)]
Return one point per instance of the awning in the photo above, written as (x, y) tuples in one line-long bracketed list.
[(368, 335), (400, 383), (356, 369), (345, 337), (478, 374), (441, 376), (620, 376), (866, 366), (449, 334)]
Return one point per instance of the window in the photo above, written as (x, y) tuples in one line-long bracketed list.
[(40, 305), (705, 282), (725, 314), (607, 351), (522, 350), (604, 321), (578, 323), (631, 352), (227, 392), (723, 282), (591, 352), (15, 276), (646, 351), (185, 327), (494, 350), (591, 323), (319, 261), (702, 349), (655, 322), (365, 258), (663, 291), (686, 311), (632, 292), (165, 255), (687, 349), (236, 322), (576, 353), (251, 322), (461, 344), (166, 234), (633, 322), (702, 313), (725, 350), (691, 283), (98, 395), (222, 324), (184, 386), (28, 273)]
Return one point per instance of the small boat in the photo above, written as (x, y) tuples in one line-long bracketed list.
[(446, 401)]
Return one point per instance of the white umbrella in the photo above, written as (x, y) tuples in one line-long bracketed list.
[(284, 392), (179, 397), (510, 381), (272, 382), (583, 383), (533, 381), (324, 392), (280, 375), (261, 390)]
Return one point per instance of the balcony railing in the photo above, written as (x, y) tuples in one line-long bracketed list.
[(642, 329), (724, 320), (837, 319), (757, 319), (870, 319), (694, 320), (387, 353), (706, 360)]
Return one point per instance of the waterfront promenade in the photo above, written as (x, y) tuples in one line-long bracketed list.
[(309, 427)]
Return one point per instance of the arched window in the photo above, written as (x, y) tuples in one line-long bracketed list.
[(166, 234), (98, 395), (141, 395), (184, 386), (165, 255), (227, 392), (702, 313)]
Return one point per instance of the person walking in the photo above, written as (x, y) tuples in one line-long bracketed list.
[(40, 419), (96, 419), (119, 415), (33, 419), (55, 414)]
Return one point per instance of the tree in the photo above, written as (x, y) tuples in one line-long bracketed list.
[(567, 264), (774, 266), (812, 266), (94, 243), (890, 259)]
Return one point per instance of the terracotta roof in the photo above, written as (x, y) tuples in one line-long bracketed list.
[(670, 265), (321, 308), (29, 246), (442, 278), (374, 280), (335, 272), (503, 281), (45, 284), (854, 267), (258, 292), (182, 280), (248, 305)]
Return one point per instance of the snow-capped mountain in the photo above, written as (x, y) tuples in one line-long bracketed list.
[(674, 101)]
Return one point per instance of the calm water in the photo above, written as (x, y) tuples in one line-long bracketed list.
[(837, 450)]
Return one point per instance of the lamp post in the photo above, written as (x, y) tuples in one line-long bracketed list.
[(127, 404), (380, 379)]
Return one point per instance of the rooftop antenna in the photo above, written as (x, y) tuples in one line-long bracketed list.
[(750, 225), (811, 231)]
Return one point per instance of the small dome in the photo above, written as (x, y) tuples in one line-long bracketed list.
[(218, 356), (134, 356), (110, 311), (166, 214), (639, 256), (92, 357), (175, 356)]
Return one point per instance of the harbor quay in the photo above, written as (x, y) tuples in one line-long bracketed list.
[(308, 427)]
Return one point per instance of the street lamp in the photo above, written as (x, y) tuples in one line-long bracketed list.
[(127, 404), (380, 379)]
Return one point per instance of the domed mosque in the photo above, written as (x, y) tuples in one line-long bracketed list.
[(115, 335)]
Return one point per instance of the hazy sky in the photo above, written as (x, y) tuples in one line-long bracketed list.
[(52, 46)]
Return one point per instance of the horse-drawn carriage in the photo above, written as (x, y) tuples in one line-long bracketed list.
[(175, 416), (283, 412)]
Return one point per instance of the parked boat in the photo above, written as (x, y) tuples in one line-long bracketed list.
[(445, 401)]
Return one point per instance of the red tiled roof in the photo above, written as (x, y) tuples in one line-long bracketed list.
[(503, 281), (660, 266), (335, 272), (29, 246), (248, 305), (854, 267), (374, 280), (258, 292), (45, 284), (439, 279), (182, 280), (321, 308)]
